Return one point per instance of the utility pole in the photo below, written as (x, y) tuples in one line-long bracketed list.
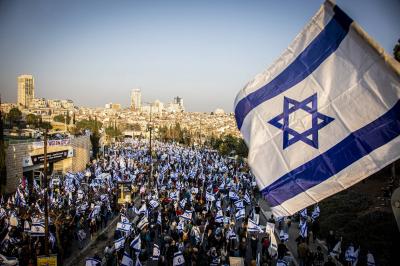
[(46, 207), (151, 154), (200, 133)]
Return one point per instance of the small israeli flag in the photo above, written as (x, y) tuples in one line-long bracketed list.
[(283, 236), (182, 203), (370, 259), (282, 262), (219, 218), (178, 260), (187, 215), (303, 230), (324, 116), (119, 243), (351, 255), (156, 252), (315, 213), (230, 234), (143, 223), (240, 214), (303, 213), (124, 227), (124, 219), (159, 221), (154, 204), (253, 226), (239, 204), (126, 260), (37, 229), (233, 196), (136, 244), (92, 262), (247, 198), (210, 196), (336, 250)]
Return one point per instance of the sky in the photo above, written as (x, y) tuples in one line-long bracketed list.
[(95, 52)]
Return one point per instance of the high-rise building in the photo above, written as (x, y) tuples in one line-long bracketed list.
[(179, 101), (26, 91), (136, 99)]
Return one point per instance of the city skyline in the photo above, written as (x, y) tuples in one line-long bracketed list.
[(97, 52)]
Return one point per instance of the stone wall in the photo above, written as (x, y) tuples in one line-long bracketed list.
[(16, 152)]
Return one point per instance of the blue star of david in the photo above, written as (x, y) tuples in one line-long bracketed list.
[(318, 121)]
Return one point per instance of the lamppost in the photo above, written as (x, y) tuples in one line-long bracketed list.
[(45, 196), (150, 127)]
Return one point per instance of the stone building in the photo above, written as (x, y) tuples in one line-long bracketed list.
[(26, 158)]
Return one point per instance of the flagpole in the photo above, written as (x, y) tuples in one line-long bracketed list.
[(46, 209)]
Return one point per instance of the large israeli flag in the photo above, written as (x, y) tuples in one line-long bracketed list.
[(324, 116)]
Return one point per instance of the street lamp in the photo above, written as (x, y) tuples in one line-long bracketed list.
[(150, 127)]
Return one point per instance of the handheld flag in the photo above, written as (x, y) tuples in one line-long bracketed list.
[(253, 226), (119, 243), (156, 252), (187, 215), (136, 244), (240, 214), (92, 262), (336, 250), (315, 213), (370, 259), (303, 230), (124, 227), (37, 229), (126, 260), (219, 218), (178, 260), (324, 116)]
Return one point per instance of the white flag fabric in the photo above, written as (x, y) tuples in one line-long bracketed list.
[(370, 259), (270, 228), (143, 223), (119, 243), (136, 243), (336, 250), (253, 226), (240, 214), (37, 229), (323, 117), (124, 227), (126, 260), (178, 259), (92, 262), (187, 215), (156, 252)]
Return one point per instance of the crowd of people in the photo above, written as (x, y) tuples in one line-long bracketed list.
[(187, 206), (196, 208)]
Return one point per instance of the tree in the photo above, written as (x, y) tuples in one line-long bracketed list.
[(136, 127), (88, 124), (95, 138), (32, 120), (14, 116), (241, 148), (113, 132), (396, 51), (62, 118)]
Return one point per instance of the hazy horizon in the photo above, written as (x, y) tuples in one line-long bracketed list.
[(96, 52)]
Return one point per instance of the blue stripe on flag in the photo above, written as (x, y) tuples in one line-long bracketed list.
[(355, 146), (319, 49)]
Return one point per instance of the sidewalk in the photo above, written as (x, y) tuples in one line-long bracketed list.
[(77, 254)]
